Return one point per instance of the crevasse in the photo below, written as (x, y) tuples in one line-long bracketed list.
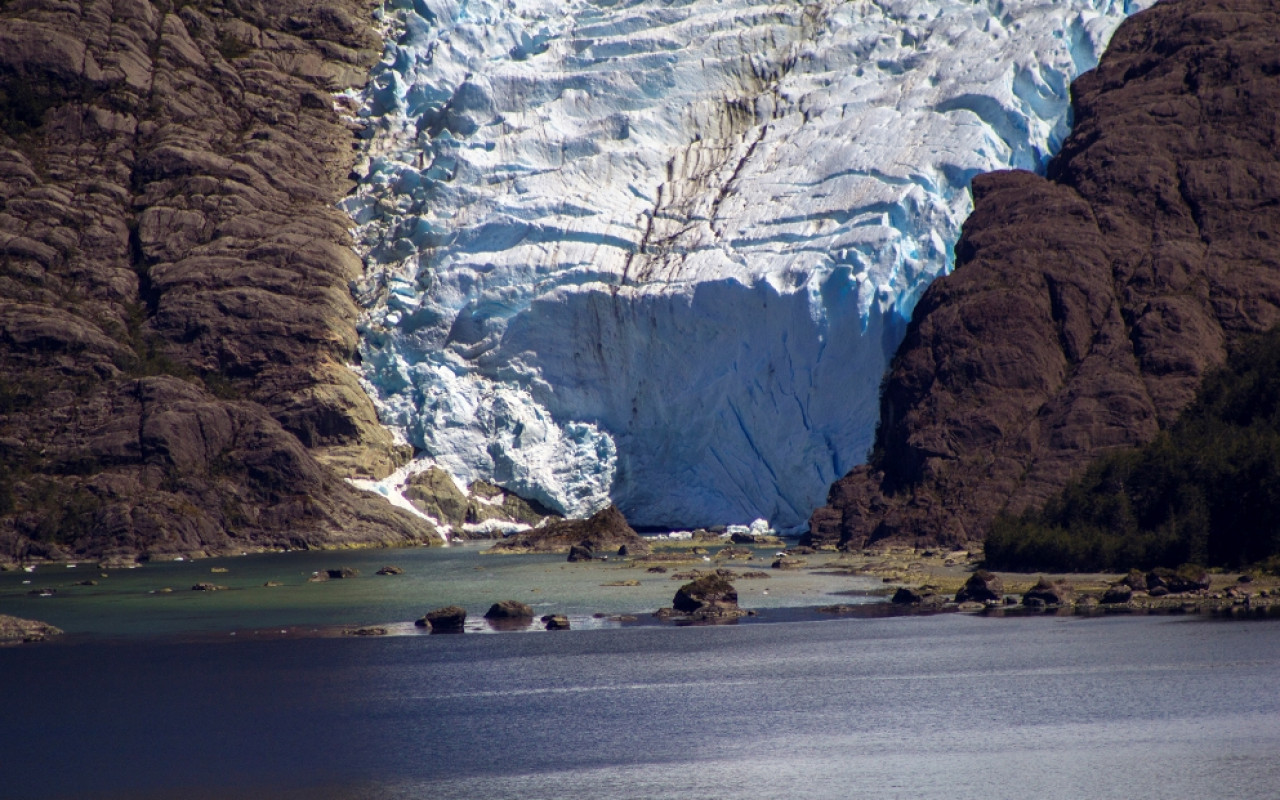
[(660, 253)]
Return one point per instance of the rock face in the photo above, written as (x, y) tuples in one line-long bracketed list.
[(175, 317), (1085, 307), (604, 532), (433, 492)]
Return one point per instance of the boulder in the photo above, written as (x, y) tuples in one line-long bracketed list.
[(982, 587), (1049, 593), (556, 622), (334, 574), (208, 587), (1185, 579), (1119, 594), (580, 552), (390, 570), (509, 610), (710, 593), (450, 619)]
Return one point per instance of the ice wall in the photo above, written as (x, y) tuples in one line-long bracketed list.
[(661, 252)]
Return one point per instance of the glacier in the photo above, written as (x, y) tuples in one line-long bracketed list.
[(660, 252)]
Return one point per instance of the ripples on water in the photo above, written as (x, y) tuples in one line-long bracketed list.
[(924, 707)]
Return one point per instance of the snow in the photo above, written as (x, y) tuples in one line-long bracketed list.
[(660, 253)]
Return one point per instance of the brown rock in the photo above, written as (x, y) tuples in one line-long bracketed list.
[(982, 587), (1119, 594), (450, 619), (1049, 593), (175, 315), (1085, 307), (509, 609), (603, 532), (17, 629), (710, 593)]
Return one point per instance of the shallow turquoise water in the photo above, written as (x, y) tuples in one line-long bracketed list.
[(127, 603)]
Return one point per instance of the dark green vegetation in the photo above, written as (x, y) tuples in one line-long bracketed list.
[(1205, 491)]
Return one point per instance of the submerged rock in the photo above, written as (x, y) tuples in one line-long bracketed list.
[(390, 570)]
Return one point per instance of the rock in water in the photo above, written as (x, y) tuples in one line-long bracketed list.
[(709, 594), (509, 610), (1085, 307), (556, 622), (450, 619), (17, 629)]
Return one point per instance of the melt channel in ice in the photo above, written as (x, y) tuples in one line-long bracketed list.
[(660, 252)]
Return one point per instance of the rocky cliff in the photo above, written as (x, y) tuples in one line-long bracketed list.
[(175, 311), (1086, 306)]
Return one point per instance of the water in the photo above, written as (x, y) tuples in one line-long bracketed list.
[(128, 603), (943, 706)]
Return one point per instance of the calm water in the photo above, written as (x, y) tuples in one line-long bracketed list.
[(126, 602), (948, 706)]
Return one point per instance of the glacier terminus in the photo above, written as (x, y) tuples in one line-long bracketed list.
[(659, 252)]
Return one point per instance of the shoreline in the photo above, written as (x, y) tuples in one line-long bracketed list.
[(806, 586)]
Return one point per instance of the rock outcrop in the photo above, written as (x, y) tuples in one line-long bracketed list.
[(1086, 306), (17, 629), (175, 311), (603, 533)]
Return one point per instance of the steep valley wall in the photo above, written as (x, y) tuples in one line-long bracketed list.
[(175, 315), (1086, 306)]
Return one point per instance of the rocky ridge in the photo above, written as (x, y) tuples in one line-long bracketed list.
[(176, 315), (1086, 306)]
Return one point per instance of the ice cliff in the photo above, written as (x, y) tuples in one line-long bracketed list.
[(661, 252)]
